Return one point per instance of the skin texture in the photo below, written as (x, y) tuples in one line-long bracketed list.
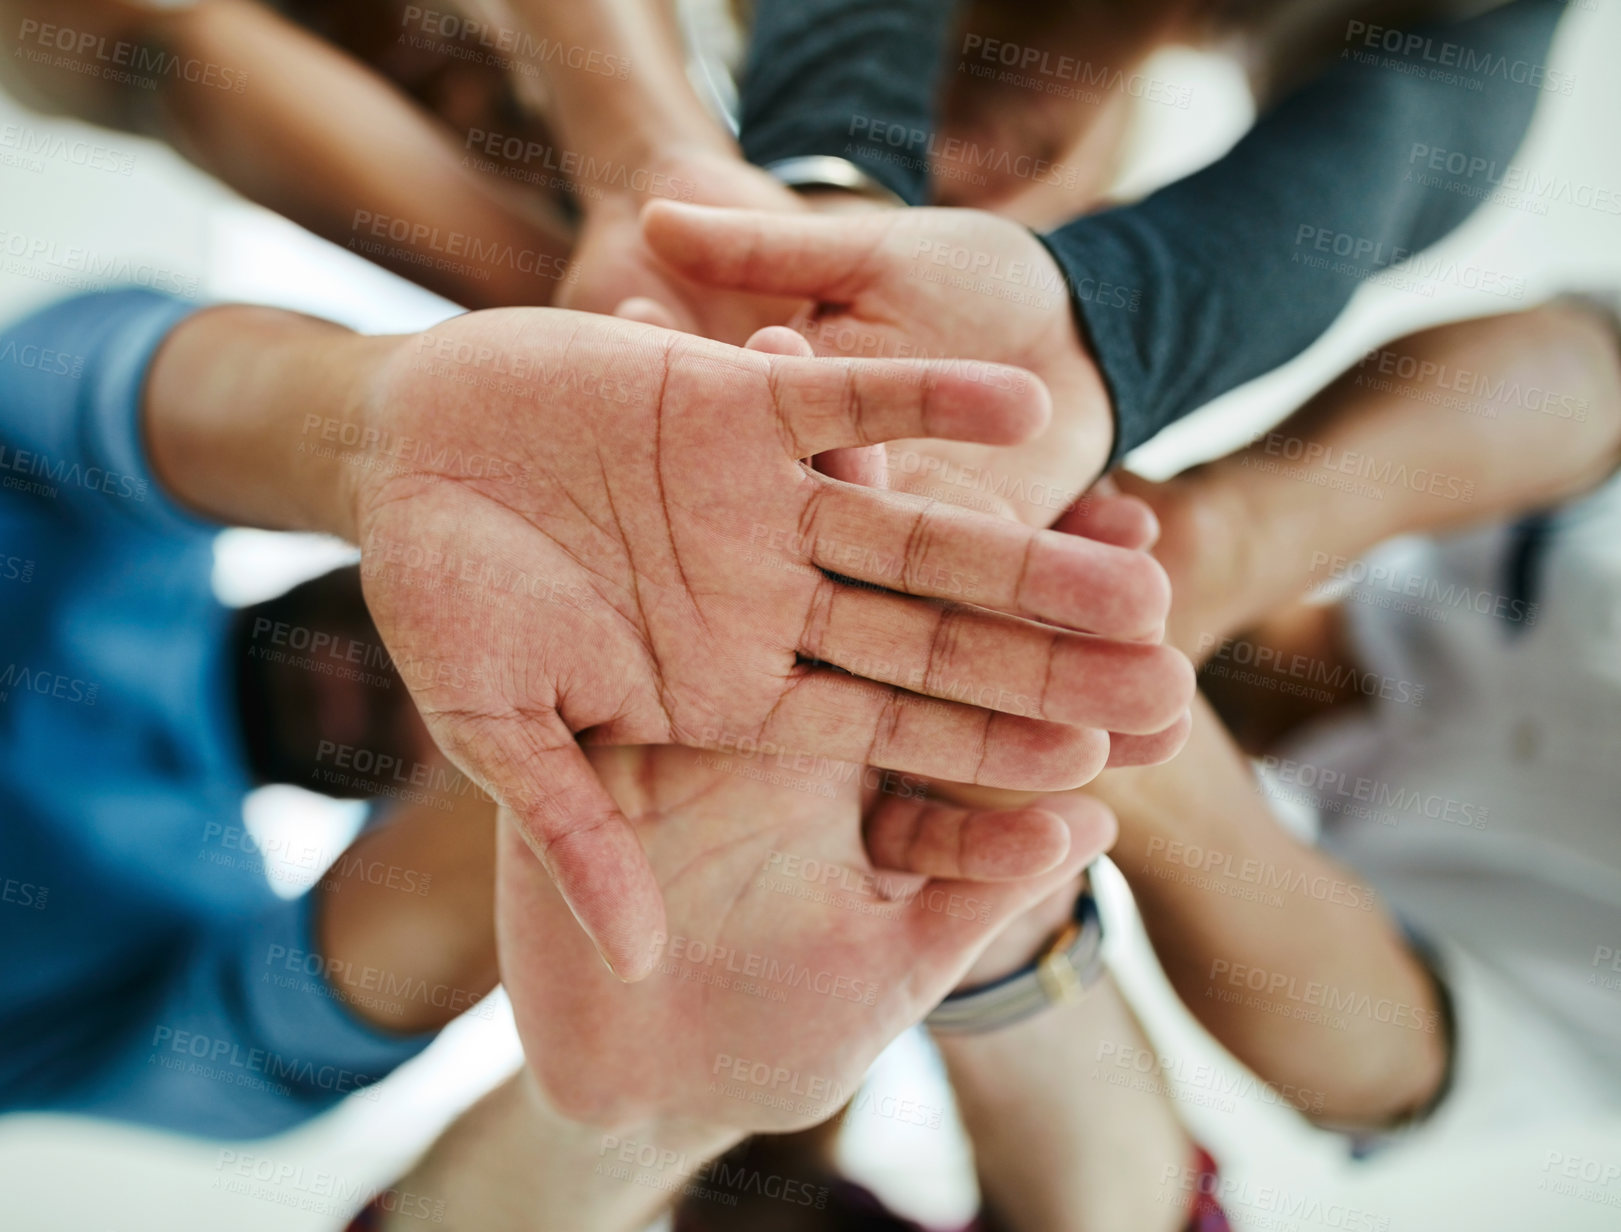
[(637, 1064), (550, 550), (613, 263), (1365, 1075), (1239, 542), (1248, 533), (397, 163), (730, 853), (658, 139), (680, 598), (923, 283), (1360, 1070), (1058, 138)]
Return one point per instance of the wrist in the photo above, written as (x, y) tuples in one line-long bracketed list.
[(635, 104), (611, 1178), (1281, 516), (513, 1161), (1229, 541), (245, 415), (642, 168), (350, 369), (1024, 940)]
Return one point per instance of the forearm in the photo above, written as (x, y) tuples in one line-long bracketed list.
[(411, 905), (1285, 957), (33, 72), (513, 1164), (299, 127), (1463, 424), (618, 83), (252, 417), (1211, 281), (847, 78), (323, 140), (1060, 1147)]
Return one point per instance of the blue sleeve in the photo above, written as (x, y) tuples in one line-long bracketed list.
[(245, 1033), (1224, 275), (71, 380), (852, 78)]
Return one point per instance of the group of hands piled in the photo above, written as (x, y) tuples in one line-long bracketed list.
[(777, 473), (752, 541), (751, 571), (744, 577)]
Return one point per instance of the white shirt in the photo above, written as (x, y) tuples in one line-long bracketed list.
[(1489, 815)]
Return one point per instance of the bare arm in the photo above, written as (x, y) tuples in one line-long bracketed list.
[(1284, 956), (414, 899), (513, 1164), (1060, 1144), (616, 74), (246, 467), (1459, 425), (298, 126)]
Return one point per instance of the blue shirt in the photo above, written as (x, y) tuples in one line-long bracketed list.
[(149, 972)]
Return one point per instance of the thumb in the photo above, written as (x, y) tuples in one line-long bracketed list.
[(865, 465), (542, 778), (807, 256), (952, 938)]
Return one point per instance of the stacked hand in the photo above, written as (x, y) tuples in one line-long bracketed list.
[(779, 985), (923, 283), (613, 267), (648, 562)]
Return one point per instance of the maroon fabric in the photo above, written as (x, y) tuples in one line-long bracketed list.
[(1207, 1215), (850, 1208), (853, 1208)]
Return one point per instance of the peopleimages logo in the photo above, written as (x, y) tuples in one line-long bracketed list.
[(45, 260), (33, 146), (507, 47), (1459, 167), (1334, 678), (61, 472), (1449, 62), (1038, 68), (696, 953), (1335, 791), (45, 683), (42, 359), (1468, 382), (140, 64), (457, 250), (325, 1192), (214, 1057)]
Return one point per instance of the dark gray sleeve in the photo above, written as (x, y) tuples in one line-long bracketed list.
[(853, 78), (1224, 275)]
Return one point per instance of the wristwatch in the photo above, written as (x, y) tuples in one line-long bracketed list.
[(1071, 964), (815, 171)]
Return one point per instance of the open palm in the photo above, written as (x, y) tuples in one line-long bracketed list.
[(779, 983), (589, 527), (926, 284)]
